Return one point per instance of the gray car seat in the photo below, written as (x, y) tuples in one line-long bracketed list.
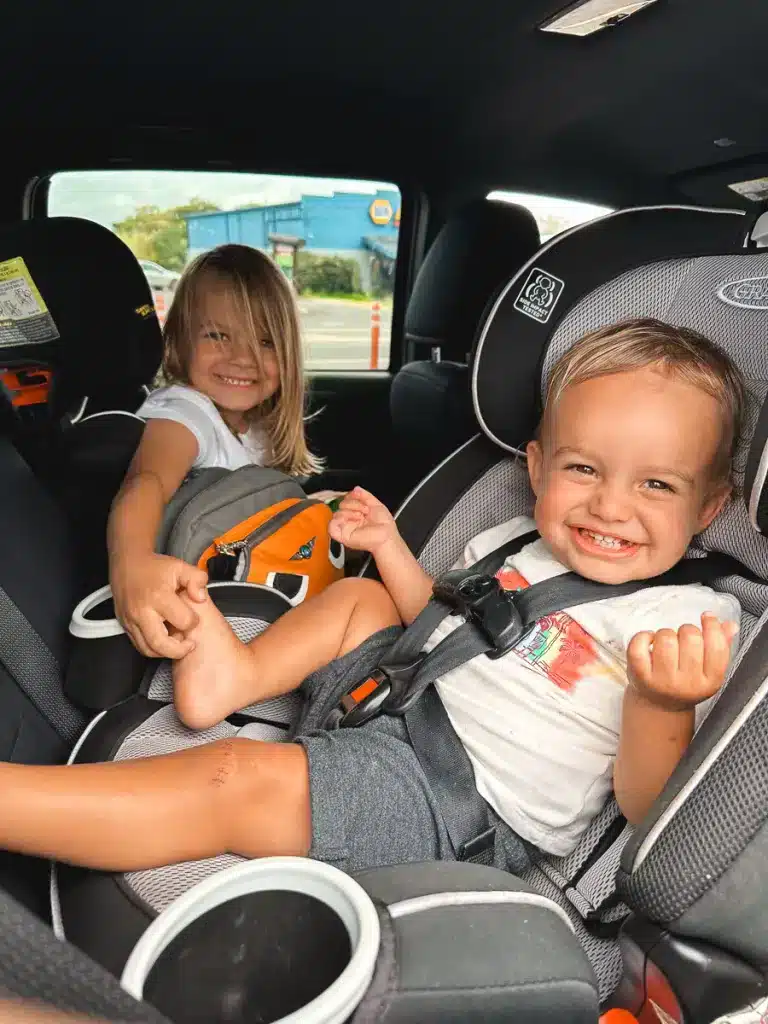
[(690, 885)]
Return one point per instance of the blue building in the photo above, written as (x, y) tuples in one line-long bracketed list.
[(361, 226)]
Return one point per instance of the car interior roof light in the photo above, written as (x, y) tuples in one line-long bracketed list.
[(584, 19)]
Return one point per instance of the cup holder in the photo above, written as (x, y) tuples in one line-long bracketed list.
[(283, 939), (104, 667)]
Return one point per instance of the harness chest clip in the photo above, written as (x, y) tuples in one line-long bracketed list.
[(482, 600)]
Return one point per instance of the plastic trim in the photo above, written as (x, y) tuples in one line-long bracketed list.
[(439, 900)]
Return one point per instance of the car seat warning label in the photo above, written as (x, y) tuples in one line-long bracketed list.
[(539, 295), (24, 317)]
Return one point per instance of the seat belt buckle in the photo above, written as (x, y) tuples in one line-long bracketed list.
[(482, 600), (480, 849), (364, 701)]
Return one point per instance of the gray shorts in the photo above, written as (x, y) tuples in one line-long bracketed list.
[(371, 803)]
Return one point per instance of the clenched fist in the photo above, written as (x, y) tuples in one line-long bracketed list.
[(362, 522), (677, 670)]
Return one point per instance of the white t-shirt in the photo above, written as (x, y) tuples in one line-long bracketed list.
[(217, 446), (541, 724)]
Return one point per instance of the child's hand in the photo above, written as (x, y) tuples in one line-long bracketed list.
[(362, 523), (677, 670), (147, 603)]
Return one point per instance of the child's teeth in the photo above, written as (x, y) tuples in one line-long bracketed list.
[(603, 541)]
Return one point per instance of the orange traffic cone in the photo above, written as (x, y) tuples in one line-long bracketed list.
[(160, 306), (375, 332)]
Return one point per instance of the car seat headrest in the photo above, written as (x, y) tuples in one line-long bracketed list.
[(638, 262), (472, 257), (86, 311)]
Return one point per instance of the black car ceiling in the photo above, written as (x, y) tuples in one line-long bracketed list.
[(463, 95)]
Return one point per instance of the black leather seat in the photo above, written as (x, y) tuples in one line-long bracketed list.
[(474, 254)]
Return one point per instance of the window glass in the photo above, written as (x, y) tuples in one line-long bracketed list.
[(335, 239), (553, 215)]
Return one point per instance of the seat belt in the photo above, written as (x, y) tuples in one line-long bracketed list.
[(28, 660), (495, 622)]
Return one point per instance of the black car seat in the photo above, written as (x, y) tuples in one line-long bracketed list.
[(101, 340), (94, 324), (35, 966), (472, 257), (691, 899), (38, 586)]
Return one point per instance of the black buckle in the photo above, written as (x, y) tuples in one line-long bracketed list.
[(387, 689), (479, 849), (482, 600), (364, 701)]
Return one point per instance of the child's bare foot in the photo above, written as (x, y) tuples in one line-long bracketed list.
[(218, 677)]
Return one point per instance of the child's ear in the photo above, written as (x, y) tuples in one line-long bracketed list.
[(713, 506), (535, 465)]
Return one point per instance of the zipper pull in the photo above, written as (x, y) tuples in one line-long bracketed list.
[(233, 547)]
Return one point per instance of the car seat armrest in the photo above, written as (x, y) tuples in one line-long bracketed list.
[(477, 944)]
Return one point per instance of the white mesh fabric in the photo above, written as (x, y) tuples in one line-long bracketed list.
[(500, 494), (284, 709), (161, 886), (163, 733), (648, 291)]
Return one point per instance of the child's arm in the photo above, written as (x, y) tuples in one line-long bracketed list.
[(364, 524), (669, 674), (145, 585)]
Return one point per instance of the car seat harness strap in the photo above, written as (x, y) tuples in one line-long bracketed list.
[(495, 621)]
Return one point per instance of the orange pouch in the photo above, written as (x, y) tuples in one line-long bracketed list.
[(253, 525)]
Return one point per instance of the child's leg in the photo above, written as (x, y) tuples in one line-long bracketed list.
[(222, 674), (235, 796)]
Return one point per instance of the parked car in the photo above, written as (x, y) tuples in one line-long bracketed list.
[(158, 276)]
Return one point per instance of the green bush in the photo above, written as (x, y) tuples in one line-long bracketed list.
[(331, 275)]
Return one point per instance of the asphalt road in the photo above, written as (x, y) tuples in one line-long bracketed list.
[(337, 334)]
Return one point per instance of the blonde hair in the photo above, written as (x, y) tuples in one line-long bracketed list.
[(677, 352), (263, 300)]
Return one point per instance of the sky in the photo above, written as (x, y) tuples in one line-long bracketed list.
[(109, 196)]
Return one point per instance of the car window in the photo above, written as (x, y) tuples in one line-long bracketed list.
[(336, 239), (552, 214)]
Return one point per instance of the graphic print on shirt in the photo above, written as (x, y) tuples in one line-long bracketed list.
[(557, 646)]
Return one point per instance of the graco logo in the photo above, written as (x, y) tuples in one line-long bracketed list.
[(748, 293), (539, 295)]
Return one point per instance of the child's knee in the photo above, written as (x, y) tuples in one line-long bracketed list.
[(255, 783)]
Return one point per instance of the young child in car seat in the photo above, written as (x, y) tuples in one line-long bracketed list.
[(235, 397), (632, 459)]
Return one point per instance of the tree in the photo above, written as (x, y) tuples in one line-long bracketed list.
[(328, 275), (161, 235)]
